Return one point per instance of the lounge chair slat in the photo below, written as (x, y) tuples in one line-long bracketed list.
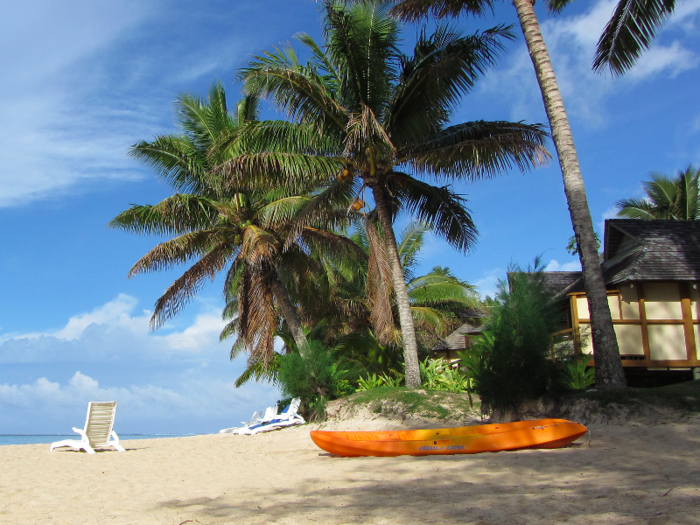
[(98, 430)]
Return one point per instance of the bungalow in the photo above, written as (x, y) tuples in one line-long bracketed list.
[(457, 341), (651, 271), (462, 337)]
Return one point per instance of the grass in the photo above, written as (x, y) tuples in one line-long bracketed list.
[(677, 400), (432, 404)]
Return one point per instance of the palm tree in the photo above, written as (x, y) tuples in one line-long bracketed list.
[(347, 323), (666, 198), (244, 229), (364, 115), (629, 32), (609, 373)]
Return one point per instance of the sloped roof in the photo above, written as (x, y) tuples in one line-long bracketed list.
[(455, 341), (641, 250), (651, 250), (555, 282)]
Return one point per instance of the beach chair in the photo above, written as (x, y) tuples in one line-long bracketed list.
[(287, 418), (97, 431), (269, 415), (257, 417)]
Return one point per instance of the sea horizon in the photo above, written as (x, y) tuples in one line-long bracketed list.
[(38, 439)]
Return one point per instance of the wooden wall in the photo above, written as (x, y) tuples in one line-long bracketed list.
[(657, 323)]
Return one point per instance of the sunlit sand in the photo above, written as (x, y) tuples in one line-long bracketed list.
[(629, 474)]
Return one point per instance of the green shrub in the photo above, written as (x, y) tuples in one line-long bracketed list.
[(437, 374), (473, 360), (577, 375), (519, 364), (375, 381), (315, 379)]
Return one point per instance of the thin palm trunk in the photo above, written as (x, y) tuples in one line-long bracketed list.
[(609, 373), (289, 313), (408, 333)]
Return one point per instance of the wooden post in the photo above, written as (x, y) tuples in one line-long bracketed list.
[(643, 317), (574, 324), (690, 343)]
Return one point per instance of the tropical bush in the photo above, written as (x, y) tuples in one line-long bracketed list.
[(519, 365), (473, 360), (315, 378), (375, 381), (577, 375), (438, 375)]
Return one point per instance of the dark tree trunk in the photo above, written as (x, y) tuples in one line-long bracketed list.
[(609, 373)]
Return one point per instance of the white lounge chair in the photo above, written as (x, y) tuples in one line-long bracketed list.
[(257, 417), (287, 418), (269, 415), (97, 431)]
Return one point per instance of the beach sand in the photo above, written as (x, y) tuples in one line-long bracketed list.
[(630, 474)]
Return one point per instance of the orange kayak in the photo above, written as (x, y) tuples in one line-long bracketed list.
[(539, 433)]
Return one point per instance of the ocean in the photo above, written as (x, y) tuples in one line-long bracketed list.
[(33, 439)]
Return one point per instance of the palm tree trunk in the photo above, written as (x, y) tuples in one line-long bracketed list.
[(408, 333), (609, 373), (289, 313)]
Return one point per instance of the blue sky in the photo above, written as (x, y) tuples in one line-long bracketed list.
[(84, 80)]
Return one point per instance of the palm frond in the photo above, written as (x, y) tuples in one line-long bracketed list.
[(445, 66), (379, 285), (479, 149), (329, 207), (415, 10), (427, 316), (188, 285), (337, 246), (439, 208), (365, 133), (411, 241), (176, 251), (204, 121), (300, 91), (629, 32), (636, 209), (175, 159), (436, 288), (174, 215), (247, 109), (260, 371), (362, 42), (258, 245), (298, 171)]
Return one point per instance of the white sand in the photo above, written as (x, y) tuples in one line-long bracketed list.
[(630, 474)]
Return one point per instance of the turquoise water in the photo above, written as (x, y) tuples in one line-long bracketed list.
[(33, 439)]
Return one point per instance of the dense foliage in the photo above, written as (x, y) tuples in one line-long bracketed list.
[(364, 115), (676, 198), (317, 377), (518, 364)]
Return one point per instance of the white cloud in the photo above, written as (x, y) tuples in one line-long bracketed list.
[(84, 80), (672, 59), (571, 41), (488, 284), (610, 213), (113, 332), (115, 312), (685, 15), (48, 141), (147, 408), (162, 382), (571, 266)]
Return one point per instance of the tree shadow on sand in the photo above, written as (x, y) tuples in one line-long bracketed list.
[(615, 480)]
